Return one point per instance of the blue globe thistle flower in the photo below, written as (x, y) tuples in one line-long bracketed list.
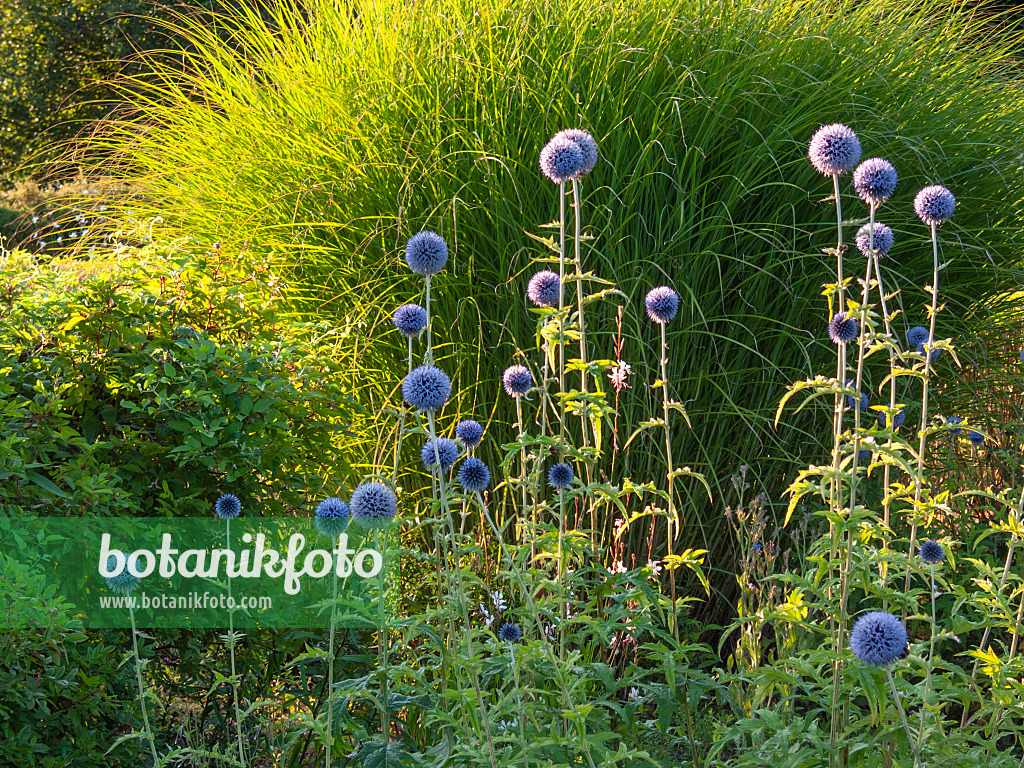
[(977, 439), (917, 335), (474, 475), (469, 432), (884, 239), (878, 638), (834, 149), (426, 388), (227, 506), (864, 456), (561, 476), (932, 552), (561, 159), (662, 304), (426, 253), (510, 633), (955, 420), (123, 583), (544, 289), (587, 145), (410, 319), (897, 421), (517, 380), (932, 356), (851, 401), (1022, 355), (331, 517), (447, 451), (373, 500), (934, 204), (842, 328), (875, 180)]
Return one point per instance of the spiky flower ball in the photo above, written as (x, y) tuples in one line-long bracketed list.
[(469, 432), (517, 380), (426, 388), (331, 517), (842, 328), (544, 289), (977, 439), (851, 401), (917, 335), (934, 204), (373, 500), (896, 422), (932, 552), (561, 476), (878, 638), (954, 422), (123, 583), (426, 253), (834, 149), (227, 506), (864, 456), (587, 146), (662, 304), (561, 159), (883, 240), (410, 319), (446, 450), (474, 475), (510, 633), (875, 180)]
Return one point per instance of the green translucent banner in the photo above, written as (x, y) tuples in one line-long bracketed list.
[(206, 572)]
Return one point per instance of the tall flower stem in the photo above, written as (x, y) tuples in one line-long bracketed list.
[(401, 425), (931, 664), (903, 717), (231, 648), (330, 666), (919, 479), (522, 458), (670, 475), (892, 373), (138, 680), (429, 357), (382, 638), (561, 316), (579, 306), (457, 567)]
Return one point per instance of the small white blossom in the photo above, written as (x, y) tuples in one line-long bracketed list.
[(654, 566), (499, 602), (35, 219)]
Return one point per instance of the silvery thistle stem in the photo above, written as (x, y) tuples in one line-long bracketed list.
[(231, 648), (892, 371), (330, 661), (561, 316), (138, 679), (919, 480), (385, 710), (443, 496), (429, 357), (522, 458), (903, 717), (672, 513), (928, 670), (401, 425), (579, 305)]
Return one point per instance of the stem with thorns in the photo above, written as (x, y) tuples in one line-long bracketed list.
[(231, 648), (138, 679), (903, 717), (382, 641), (330, 668), (931, 657), (579, 306), (672, 513)]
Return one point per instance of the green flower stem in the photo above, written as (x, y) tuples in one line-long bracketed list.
[(522, 457), (579, 306), (382, 639), (672, 520), (401, 425), (892, 373), (903, 717), (142, 689), (919, 479), (457, 567), (519, 697), (330, 668), (561, 318), (931, 664), (231, 648), (429, 357)]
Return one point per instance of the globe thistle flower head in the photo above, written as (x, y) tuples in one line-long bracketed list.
[(917, 335), (934, 204), (954, 422), (447, 450), (864, 456), (1022, 355), (842, 328), (561, 476), (932, 356), (331, 517), (510, 633), (474, 475), (469, 432), (897, 420), (561, 159), (227, 506), (878, 639), (426, 253), (587, 145), (517, 380), (373, 501), (883, 239), (875, 180), (410, 319), (851, 401), (834, 149), (932, 552), (124, 582), (662, 304), (544, 289), (977, 439), (426, 388)]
